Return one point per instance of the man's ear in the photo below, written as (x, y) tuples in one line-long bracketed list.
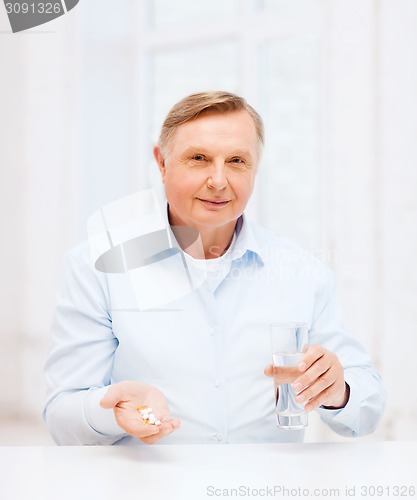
[(159, 160)]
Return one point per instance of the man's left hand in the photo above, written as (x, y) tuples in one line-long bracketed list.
[(321, 381)]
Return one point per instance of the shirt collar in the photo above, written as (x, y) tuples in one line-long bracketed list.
[(245, 247)]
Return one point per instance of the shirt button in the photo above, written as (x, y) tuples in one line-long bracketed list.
[(212, 332), (219, 437), (216, 382)]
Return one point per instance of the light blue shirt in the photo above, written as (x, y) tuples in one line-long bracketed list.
[(206, 351)]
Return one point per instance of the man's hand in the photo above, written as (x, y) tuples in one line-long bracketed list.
[(125, 398), (318, 380)]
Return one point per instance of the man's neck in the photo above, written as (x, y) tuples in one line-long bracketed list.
[(211, 243), (217, 241)]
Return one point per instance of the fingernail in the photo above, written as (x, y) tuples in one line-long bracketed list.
[(302, 366), (296, 386), (300, 398)]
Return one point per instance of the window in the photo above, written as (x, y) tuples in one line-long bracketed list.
[(158, 51)]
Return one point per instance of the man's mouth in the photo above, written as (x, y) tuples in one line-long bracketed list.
[(214, 203)]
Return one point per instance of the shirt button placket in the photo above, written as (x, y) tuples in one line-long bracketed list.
[(217, 384)]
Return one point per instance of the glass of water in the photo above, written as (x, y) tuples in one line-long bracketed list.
[(289, 343)]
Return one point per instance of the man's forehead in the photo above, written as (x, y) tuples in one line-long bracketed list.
[(231, 124)]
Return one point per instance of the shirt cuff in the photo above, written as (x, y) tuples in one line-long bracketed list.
[(348, 416), (102, 420)]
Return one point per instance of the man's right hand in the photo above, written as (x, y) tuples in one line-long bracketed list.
[(125, 398)]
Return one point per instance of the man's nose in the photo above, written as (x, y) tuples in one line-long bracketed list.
[(217, 176)]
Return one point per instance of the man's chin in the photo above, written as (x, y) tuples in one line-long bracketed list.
[(210, 221)]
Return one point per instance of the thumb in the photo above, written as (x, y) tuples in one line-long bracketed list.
[(112, 397), (269, 371)]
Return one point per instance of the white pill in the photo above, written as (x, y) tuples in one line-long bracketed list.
[(157, 422)]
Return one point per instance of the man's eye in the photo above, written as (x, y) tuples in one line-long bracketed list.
[(198, 158), (237, 160)]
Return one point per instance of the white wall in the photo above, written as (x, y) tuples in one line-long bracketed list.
[(396, 235), (39, 197), (58, 165)]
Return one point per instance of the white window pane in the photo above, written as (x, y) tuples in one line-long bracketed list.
[(106, 122), (289, 180), (288, 4), (169, 12), (106, 19), (182, 72)]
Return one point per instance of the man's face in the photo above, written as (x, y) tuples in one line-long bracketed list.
[(210, 170)]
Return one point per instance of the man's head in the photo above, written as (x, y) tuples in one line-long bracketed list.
[(208, 154), (196, 105)]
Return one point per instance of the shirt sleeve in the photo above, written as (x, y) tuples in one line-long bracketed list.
[(366, 401), (81, 357)]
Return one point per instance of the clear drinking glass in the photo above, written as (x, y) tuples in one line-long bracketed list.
[(289, 343)]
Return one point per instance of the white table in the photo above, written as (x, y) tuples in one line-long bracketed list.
[(194, 472)]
